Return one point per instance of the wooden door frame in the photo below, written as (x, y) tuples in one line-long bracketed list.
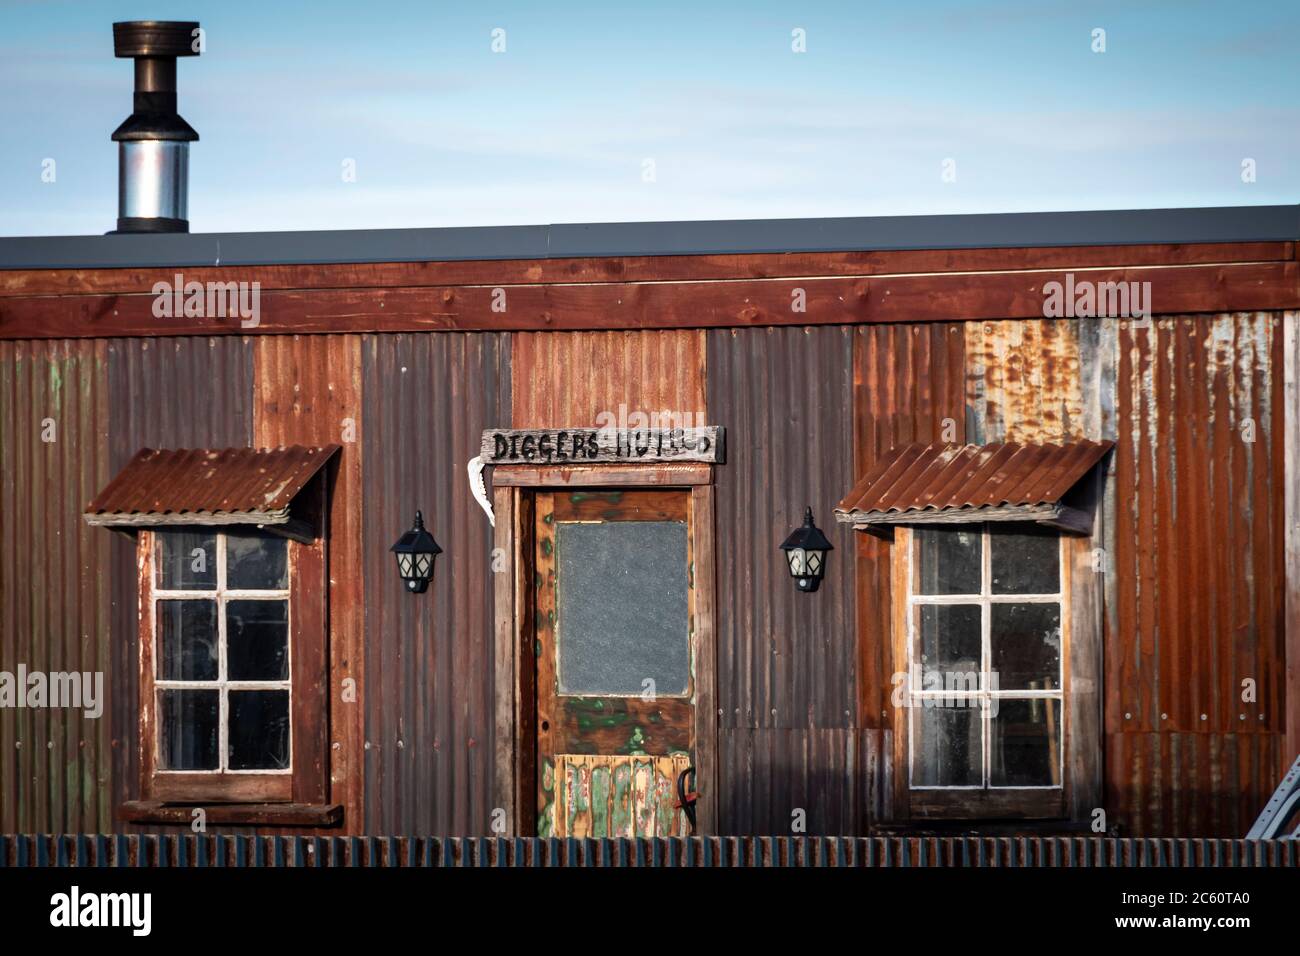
[(513, 486)]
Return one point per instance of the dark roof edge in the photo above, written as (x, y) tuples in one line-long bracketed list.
[(972, 231)]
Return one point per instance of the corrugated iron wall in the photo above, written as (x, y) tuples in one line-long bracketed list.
[(55, 764), (429, 658), (569, 378), (909, 385), (786, 661), (1194, 571), (1198, 608), (1194, 578), (163, 393)]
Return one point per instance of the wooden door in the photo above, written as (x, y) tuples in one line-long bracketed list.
[(615, 660)]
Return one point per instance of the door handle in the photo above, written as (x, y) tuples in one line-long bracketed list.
[(686, 801)]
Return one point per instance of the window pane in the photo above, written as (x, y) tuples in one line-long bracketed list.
[(1025, 743), (186, 561), (187, 640), (256, 560), (1026, 646), (257, 640), (1024, 559), (622, 607), (187, 729), (259, 729), (946, 745), (948, 561), (948, 647)]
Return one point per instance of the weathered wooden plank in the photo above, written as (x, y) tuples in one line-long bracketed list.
[(658, 305), (18, 282), (1291, 454), (598, 476)]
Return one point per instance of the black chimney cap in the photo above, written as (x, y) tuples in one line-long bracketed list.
[(154, 38)]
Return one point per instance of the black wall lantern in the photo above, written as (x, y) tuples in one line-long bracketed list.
[(415, 552), (805, 550)]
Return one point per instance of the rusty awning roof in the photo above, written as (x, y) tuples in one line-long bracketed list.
[(920, 484), (207, 486)]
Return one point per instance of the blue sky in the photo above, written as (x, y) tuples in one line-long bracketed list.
[(558, 128)]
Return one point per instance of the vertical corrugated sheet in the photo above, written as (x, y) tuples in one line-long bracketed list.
[(307, 391), (1194, 578), (786, 661), (569, 378), (908, 386), (55, 764), (163, 393), (1199, 557), (429, 658)]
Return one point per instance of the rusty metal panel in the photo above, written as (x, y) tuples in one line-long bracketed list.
[(1025, 382), (784, 659), (1199, 529), (200, 484), (909, 385), (940, 477), (1179, 784), (163, 393), (570, 378), (791, 781), (430, 695), (54, 596), (1192, 562), (307, 391)]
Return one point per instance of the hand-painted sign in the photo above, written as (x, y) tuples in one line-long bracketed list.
[(601, 446)]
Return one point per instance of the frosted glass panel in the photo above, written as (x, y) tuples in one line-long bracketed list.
[(622, 607)]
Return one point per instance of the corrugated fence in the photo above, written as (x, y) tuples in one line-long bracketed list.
[(190, 851)]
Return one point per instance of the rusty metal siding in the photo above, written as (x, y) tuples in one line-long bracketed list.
[(1194, 534), (785, 659), (188, 392), (54, 598), (909, 385), (569, 378), (429, 658), (828, 782), (1199, 557), (240, 852)]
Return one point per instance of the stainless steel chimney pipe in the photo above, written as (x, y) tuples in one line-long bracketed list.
[(153, 143)]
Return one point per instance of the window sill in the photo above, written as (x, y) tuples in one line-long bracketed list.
[(241, 814)]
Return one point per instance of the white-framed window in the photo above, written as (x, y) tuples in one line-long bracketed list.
[(985, 638), (221, 650)]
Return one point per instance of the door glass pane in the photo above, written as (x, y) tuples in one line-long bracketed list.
[(257, 640), (948, 647), (948, 561), (1026, 646), (1024, 559), (946, 745), (1025, 744), (187, 640), (256, 560), (187, 731), (622, 618), (259, 729), (186, 561)]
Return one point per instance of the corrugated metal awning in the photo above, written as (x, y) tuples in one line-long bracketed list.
[(931, 484), (207, 486)]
